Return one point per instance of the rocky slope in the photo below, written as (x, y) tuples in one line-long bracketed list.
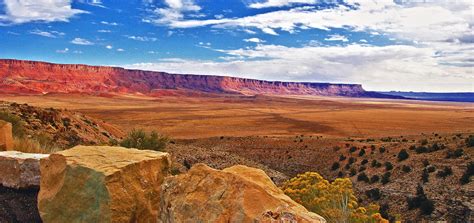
[(30, 77), (56, 127)]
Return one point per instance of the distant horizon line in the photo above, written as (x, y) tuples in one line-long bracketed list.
[(228, 76)]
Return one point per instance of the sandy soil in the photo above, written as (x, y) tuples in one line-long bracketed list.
[(203, 117)]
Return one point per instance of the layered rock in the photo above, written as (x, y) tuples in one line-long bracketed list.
[(101, 184), (235, 194), (39, 78), (6, 138), (20, 170)]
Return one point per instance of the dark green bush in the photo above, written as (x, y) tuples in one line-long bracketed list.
[(373, 194), (420, 201), (362, 152), (466, 177), (342, 157), (352, 149), (406, 169), (403, 155), (386, 177), (446, 171), (388, 166), (364, 161), (139, 139), (470, 141), (374, 179), (335, 166), (382, 149), (425, 176), (363, 177)]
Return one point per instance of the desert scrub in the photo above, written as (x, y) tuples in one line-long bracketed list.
[(139, 139), (18, 129), (335, 201)]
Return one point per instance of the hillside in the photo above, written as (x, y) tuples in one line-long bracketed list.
[(57, 128), (30, 77)]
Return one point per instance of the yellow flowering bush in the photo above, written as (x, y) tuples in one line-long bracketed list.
[(335, 201)]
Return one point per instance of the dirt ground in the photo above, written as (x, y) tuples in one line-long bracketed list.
[(238, 116)]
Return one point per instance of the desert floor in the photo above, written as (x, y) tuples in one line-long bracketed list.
[(202, 117)]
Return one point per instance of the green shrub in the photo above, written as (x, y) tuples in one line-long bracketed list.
[(388, 166), (425, 176), (373, 194), (374, 179), (454, 154), (446, 171), (362, 152), (386, 177), (403, 155), (470, 141), (139, 139), (335, 166), (363, 177), (466, 177), (406, 169), (420, 201)]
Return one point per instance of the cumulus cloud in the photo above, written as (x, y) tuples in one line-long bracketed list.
[(65, 50), (23, 11), (109, 23), (254, 40), (109, 47), (175, 11), (80, 41)]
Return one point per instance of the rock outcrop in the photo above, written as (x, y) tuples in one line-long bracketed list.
[(101, 184), (235, 194), (20, 170), (6, 139), (29, 77)]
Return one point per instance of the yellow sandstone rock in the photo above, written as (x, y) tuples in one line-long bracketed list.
[(102, 184), (235, 194), (6, 139)]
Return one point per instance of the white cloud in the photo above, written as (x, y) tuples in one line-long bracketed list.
[(23, 11), (109, 47), (63, 51), (142, 38), (104, 31), (120, 50), (279, 3), (50, 34), (109, 23), (363, 41), (397, 67), (80, 41), (254, 40), (337, 37), (175, 11)]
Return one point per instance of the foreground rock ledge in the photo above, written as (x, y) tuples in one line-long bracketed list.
[(20, 170), (235, 194), (102, 184)]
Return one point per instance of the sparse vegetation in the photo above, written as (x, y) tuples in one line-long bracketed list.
[(388, 166), (335, 166), (335, 201), (386, 177), (373, 194), (139, 139), (466, 177), (362, 152), (403, 155), (363, 177), (374, 179), (470, 141), (421, 201), (452, 154), (406, 168), (446, 171)]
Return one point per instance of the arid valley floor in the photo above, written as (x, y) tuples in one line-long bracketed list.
[(290, 135)]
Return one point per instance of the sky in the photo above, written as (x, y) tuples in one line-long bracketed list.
[(401, 45)]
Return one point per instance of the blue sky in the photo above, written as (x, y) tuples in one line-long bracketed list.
[(384, 45)]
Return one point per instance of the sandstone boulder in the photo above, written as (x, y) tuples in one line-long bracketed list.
[(20, 170), (102, 184), (6, 139), (235, 194)]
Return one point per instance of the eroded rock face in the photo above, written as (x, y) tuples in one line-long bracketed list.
[(30, 77), (101, 184), (20, 170), (235, 194), (6, 139)]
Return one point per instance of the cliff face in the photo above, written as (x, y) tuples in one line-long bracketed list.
[(29, 77)]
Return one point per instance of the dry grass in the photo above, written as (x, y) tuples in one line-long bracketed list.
[(28, 145)]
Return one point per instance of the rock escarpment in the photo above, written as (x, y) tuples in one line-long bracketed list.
[(235, 194), (29, 77), (101, 184)]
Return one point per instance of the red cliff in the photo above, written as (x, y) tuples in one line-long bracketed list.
[(30, 77)]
